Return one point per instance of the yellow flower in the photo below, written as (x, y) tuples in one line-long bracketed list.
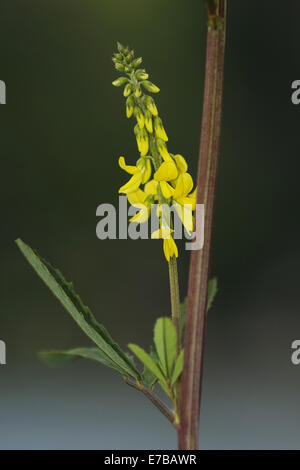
[(181, 163), (170, 248), (141, 174), (184, 202), (169, 245), (166, 172)]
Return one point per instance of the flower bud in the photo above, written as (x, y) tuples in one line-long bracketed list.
[(139, 117), (127, 90), (162, 148), (137, 62), (129, 106), (159, 129), (120, 81), (149, 86), (120, 67), (141, 74), (120, 47), (151, 105), (138, 92), (148, 121)]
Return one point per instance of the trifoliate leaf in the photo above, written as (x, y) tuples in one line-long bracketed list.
[(82, 315), (165, 340)]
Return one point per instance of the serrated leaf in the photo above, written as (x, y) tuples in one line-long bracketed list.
[(82, 315), (165, 340), (211, 291), (57, 358), (148, 378), (178, 367), (146, 359)]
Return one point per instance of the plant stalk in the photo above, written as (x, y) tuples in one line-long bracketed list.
[(175, 300), (153, 398), (199, 265)]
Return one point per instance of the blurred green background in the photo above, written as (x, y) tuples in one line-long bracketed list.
[(63, 129)]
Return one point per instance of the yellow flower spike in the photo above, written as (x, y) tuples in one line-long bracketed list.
[(170, 248), (166, 172), (150, 188), (132, 170), (159, 129), (136, 198), (132, 185), (166, 189), (146, 171), (181, 163), (141, 216)]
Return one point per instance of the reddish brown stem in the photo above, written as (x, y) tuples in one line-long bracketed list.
[(199, 264)]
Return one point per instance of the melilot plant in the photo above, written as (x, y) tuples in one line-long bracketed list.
[(158, 177)]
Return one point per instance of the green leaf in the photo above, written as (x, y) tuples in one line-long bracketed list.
[(147, 360), (148, 378), (82, 315), (57, 358), (211, 292), (178, 367), (165, 339)]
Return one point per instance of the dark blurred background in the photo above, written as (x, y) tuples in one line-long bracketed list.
[(62, 131)]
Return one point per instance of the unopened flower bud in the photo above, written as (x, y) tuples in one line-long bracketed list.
[(127, 90), (138, 92), (141, 74), (137, 62), (151, 105), (120, 67), (120, 81), (149, 86), (129, 106), (139, 117), (159, 129), (148, 121)]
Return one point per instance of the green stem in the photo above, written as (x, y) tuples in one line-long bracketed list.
[(175, 300), (199, 265), (153, 398)]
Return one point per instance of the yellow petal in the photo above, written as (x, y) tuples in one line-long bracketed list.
[(181, 163), (128, 168), (132, 185), (146, 171), (166, 189), (164, 233), (170, 248), (136, 198), (141, 216), (183, 186), (166, 172), (151, 188), (185, 214)]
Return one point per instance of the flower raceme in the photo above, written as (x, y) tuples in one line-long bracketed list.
[(171, 184)]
